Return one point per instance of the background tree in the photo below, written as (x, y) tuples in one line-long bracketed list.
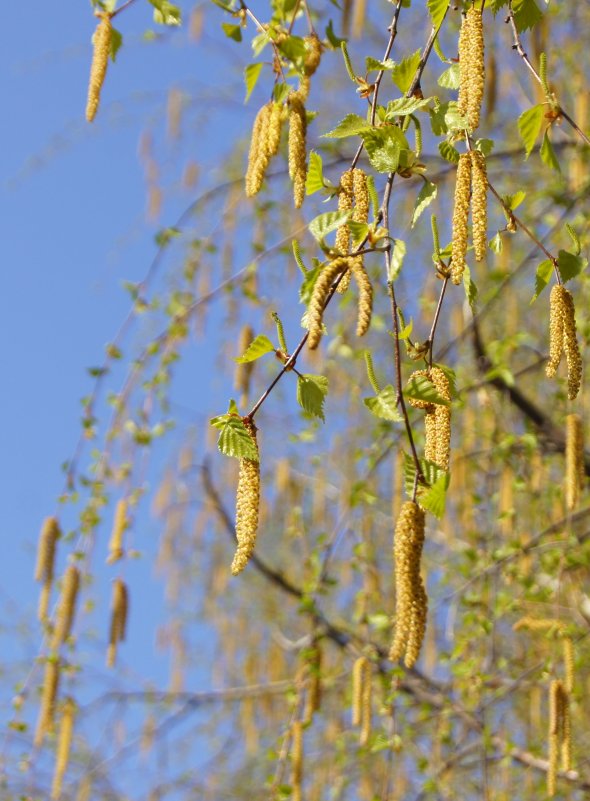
[(306, 676)]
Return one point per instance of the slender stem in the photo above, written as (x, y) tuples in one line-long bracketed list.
[(122, 8), (262, 29), (436, 317), (294, 17)]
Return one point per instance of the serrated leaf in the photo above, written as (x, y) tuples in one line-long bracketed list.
[(257, 348), (425, 197), (358, 230), (529, 126), (449, 79), (514, 201), (421, 388), (325, 223), (166, 13), (384, 146), (448, 152), (455, 121), (234, 440), (470, 288), (526, 14), (374, 64), (406, 330), (311, 394), (433, 474), (280, 92), (308, 284), (547, 154), (315, 174), (570, 265), (437, 9), (403, 106), (575, 239), (251, 75), (544, 271), (351, 125), (403, 73), (396, 260), (334, 40), (231, 31), (384, 405), (437, 119), (433, 499)]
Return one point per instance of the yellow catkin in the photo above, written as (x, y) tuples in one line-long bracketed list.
[(437, 420), (460, 217), (264, 144), (67, 607), (319, 296), (553, 734), (45, 722), (358, 675), (100, 59), (296, 759), (365, 305), (556, 330), (247, 507), (411, 599), (570, 346), (64, 745), (574, 460), (464, 35), (366, 704), (475, 67), (479, 206), (120, 525), (119, 612), (566, 731), (297, 147), (243, 372), (44, 569), (313, 54), (342, 243)]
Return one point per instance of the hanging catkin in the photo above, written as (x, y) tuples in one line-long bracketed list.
[(563, 339), (319, 296), (247, 507), (479, 211), (460, 217), (464, 35), (67, 607), (44, 569), (358, 674), (342, 243), (574, 460), (264, 144), (119, 612), (475, 67), (46, 718), (297, 147), (120, 525), (64, 745), (365, 305), (411, 599), (313, 54), (366, 704), (100, 58), (296, 759)]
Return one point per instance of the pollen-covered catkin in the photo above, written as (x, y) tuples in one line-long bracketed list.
[(475, 67), (479, 208), (442, 418), (366, 704), (67, 607), (574, 460), (464, 35), (120, 525), (365, 306), (297, 147), (556, 304), (45, 721), (119, 612), (44, 569), (570, 346), (313, 54), (255, 171), (321, 291), (460, 217), (569, 662), (247, 507), (566, 731), (342, 243), (64, 745), (100, 58), (358, 675), (411, 599)]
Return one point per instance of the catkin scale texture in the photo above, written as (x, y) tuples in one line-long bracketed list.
[(67, 607), (563, 338), (297, 147), (460, 217), (119, 526), (345, 200), (48, 697), (319, 296), (247, 508), (119, 612), (100, 60), (479, 211), (475, 67), (365, 305), (574, 460)]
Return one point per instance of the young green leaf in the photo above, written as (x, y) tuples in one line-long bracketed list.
[(403, 73), (251, 75), (325, 223), (425, 197), (166, 13), (547, 153), (449, 79), (257, 348), (231, 31), (433, 498), (315, 174), (575, 239), (526, 14), (116, 42), (529, 126), (448, 152), (311, 394), (384, 405), (396, 260), (470, 288), (544, 271), (570, 265), (351, 125), (384, 146), (437, 9), (421, 388), (234, 440), (403, 106)]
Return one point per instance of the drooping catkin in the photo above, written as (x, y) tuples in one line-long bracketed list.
[(460, 217), (119, 613), (100, 58), (247, 507), (475, 67), (313, 54), (553, 734), (358, 674), (464, 35), (479, 207), (44, 569), (67, 607), (297, 147), (319, 296), (120, 525), (243, 372), (556, 329), (296, 759), (566, 731), (411, 599), (254, 172), (46, 718), (563, 338), (342, 243), (365, 305), (574, 460), (366, 704), (64, 745)]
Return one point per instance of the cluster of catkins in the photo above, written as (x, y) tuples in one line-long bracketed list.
[(266, 132), (562, 339), (471, 185)]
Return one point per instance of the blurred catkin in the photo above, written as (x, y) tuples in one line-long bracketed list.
[(460, 217), (64, 745), (45, 722), (247, 507), (296, 759), (100, 59), (67, 607), (44, 569), (243, 371), (358, 674), (119, 613), (574, 460), (120, 524)]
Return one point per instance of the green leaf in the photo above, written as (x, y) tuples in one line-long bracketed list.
[(495, 244), (166, 13), (234, 438), (251, 75), (325, 223), (433, 499), (403, 106), (470, 288), (257, 348), (231, 31), (373, 64), (398, 252), (384, 405), (334, 40), (315, 174), (424, 199), (437, 9), (454, 121), (450, 78), (544, 271), (547, 153), (403, 73), (421, 388), (358, 230), (351, 125), (280, 92), (526, 14), (570, 265), (116, 42), (575, 239), (529, 126), (485, 146), (432, 474), (384, 146), (437, 119), (311, 394), (514, 201), (308, 284), (448, 152)]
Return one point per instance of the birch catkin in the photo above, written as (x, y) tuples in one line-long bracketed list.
[(247, 507), (45, 721), (554, 734), (342, 243), (442, 418), (67, 607), (297, 147), (574, 460), (365, 305), (120, 525), (460, 217), (319, 296), (464, 35), (296, 760), (100, 58), (563, 338), (119, 613), (264, 144), (44, 569), (475, 67), (479, 211), (358, 673), (64, 745)]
